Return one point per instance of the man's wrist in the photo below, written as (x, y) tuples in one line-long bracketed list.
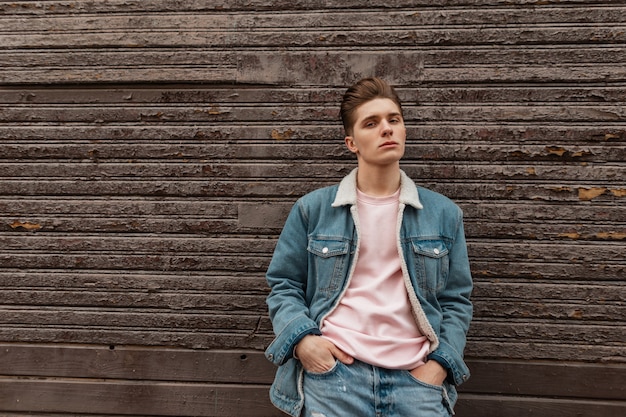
[(442, 364), (295, 347)]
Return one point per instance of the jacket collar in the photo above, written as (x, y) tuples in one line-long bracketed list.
[(346, 193)]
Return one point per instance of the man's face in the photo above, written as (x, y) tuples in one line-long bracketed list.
[(379, 135)]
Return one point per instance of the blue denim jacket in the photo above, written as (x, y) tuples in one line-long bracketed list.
[(314, 260)]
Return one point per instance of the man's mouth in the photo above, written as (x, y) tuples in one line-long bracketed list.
[(389, 143)]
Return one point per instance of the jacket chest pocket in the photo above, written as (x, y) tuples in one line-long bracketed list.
[(329, 259), (431, 264)]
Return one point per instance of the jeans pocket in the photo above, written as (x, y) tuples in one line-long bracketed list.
[(437, 392), (437, 388), (327, 373)]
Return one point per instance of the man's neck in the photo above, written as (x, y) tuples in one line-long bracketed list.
[(379, 181)]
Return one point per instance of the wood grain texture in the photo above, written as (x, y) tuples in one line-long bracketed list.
[(150, 152)]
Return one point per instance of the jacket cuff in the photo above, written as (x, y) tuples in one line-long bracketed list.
[(458, 372), (314, 332), (281, 348)]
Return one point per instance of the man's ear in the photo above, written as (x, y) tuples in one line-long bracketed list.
[(351, 145)]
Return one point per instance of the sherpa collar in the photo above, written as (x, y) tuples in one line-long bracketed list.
[(346, 194)]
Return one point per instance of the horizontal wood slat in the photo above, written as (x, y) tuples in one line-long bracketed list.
[(506, 16), (177, 136), (493, 406), (539, 158), (82, 6), (164, 399), (180, 95), (276, 211), (137, 363)]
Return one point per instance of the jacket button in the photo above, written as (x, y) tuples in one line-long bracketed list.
[(436, 251), (270, 357), (325, 250)]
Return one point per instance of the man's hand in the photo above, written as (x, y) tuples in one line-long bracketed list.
[(318, 355), (431, 373)]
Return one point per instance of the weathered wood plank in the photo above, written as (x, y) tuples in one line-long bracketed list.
[(535, 231), (136, 363), (604, 174), (341, 70), (529, 328), (262, 188), (238, 303), (205, 74), (493, 406), (314, 38), (262, 223), (205, 249), (328, 136), (200, 282), (113, 6), (477, 347), (601, 270), (181, 225), (169, 58), (287, 20), (147, 262), (549, 309), (77, 59), (501, 214), (417, 154), (122, 207), (158, 399), (147, 337), (567, 379), (289, 113), (188, 95), (346, 69), (263, 218), (533, 330), (210, 282), (548, 291), (221, 245), (551, 351), (145, 319)]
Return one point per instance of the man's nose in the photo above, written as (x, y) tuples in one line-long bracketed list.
[(386, 127)]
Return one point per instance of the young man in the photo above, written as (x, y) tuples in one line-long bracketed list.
[(370, 283)]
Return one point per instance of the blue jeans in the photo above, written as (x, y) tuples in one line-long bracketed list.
[(362, 390)]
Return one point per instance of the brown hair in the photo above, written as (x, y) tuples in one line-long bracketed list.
[(363, 91)]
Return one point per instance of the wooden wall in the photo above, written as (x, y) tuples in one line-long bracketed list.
[(151, 149)]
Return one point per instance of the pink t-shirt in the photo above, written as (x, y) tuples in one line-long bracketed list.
[(373, 321)]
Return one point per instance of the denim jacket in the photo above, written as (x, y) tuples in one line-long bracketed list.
[(314, 260)]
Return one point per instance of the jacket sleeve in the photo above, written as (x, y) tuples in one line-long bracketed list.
[(287, 277), (456, 310)]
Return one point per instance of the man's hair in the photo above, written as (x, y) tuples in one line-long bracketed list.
[(363, 91)]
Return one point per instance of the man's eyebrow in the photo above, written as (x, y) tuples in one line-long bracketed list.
[(376, 115)]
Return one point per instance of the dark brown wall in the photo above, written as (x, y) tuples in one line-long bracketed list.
[(149, 152)]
